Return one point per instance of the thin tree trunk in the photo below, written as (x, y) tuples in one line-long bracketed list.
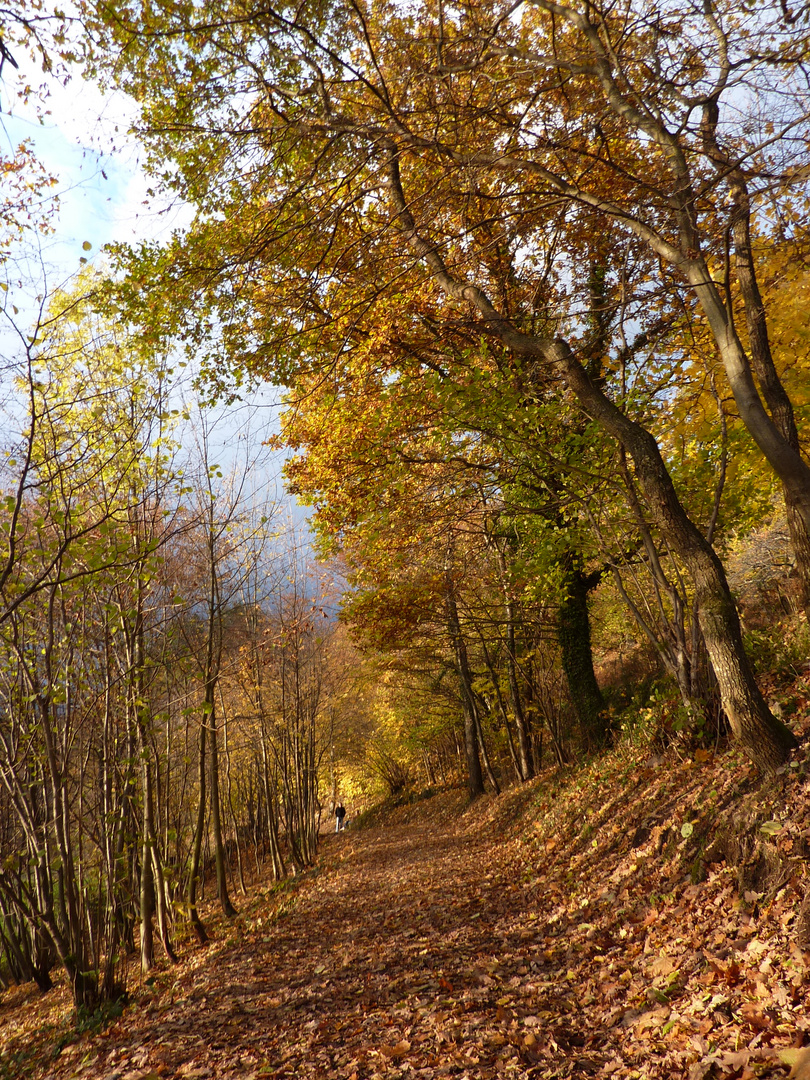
[(496, 787), (199, 829), (475, 779), (216, 820), (147, 900), (521, 722), (228, 789), (516, 764)]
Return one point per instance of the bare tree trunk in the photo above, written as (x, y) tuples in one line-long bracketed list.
[(199, 829), (279, 869), (147, 899), (521, 722), (475, 779), (229, 790), (496, 787), (216, 820), (516, 762)]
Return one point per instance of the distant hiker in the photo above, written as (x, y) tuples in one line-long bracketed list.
[(340, 814)]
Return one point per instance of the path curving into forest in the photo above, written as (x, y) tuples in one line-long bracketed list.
[(443, 946), (415, 951)]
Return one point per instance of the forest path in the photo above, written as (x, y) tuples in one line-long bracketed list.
[(413, 952), (528, 936)]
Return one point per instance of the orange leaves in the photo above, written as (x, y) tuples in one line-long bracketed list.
[(381, 970)]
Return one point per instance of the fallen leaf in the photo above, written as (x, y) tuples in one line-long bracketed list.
[(799, 1061), (398, 1051)]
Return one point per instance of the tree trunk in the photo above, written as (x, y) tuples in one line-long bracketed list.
[(493, 780), (216, 819), (199, 829), (279, 869), (772, 436), (765, 739), (513, 753), (574, 635), (771, 386), (521, 721), (147, 900), (475, 779)]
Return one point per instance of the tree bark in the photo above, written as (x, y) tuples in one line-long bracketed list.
[(199, 829), (216, 818), (521, 722), (475, 778), (765, 739), (771, 385), (479, 731), (576, 656)]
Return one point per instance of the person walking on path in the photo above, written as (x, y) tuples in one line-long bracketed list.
[(340, 814)]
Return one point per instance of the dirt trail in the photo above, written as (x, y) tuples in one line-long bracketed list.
[(411, 953), (439, 947)]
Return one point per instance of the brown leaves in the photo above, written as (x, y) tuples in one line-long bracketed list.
[(799, 1061), (456, 950), (398, 1051)]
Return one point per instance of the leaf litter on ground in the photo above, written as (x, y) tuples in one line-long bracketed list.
[(569, 927)]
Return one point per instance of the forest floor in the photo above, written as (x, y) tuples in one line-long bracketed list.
[(641, 917)]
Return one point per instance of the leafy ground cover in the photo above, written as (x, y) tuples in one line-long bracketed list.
[(636, 918)]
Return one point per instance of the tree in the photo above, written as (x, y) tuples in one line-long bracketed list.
[(91, 467), (443, 190)]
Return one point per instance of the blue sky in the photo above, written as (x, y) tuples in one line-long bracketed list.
[(85, 144), (102, 191)]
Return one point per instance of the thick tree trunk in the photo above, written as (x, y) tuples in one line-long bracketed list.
[(765, 739), (576, 655), (800, 542)]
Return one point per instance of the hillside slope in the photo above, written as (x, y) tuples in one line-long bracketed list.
[(625, 920)]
